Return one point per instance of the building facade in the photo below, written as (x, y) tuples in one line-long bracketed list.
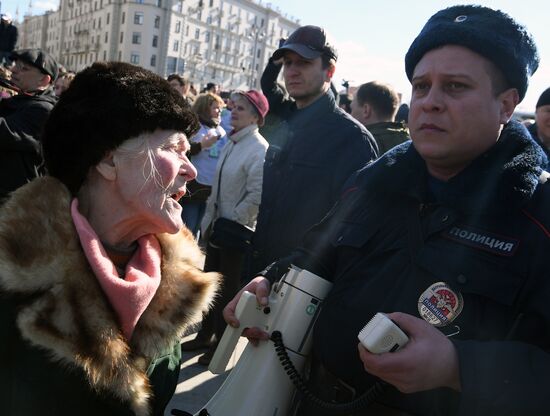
[(222, 41)]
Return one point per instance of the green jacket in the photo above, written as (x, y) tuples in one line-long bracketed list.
[(61, 347), (388, 135)]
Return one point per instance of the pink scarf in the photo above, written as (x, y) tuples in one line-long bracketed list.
[(131, 295)]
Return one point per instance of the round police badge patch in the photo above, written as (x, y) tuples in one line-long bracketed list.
[(439, 305)]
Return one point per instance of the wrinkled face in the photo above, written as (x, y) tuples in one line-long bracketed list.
[(243, 114), (26, 77), (305, 79), (151, 183), (454, 114), (215, 110), (542, 118)]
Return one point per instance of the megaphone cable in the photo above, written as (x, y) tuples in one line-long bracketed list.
[(362, 402)]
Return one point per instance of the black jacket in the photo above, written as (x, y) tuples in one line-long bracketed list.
[(311, 154), (8, 36), (21, 121), (486, 233)]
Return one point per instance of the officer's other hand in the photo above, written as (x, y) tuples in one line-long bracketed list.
[(428, 361), (260, 287)]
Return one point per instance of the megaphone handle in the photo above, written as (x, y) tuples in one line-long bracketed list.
[(247, 314)]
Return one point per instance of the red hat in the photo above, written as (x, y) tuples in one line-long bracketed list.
[(258, 100)]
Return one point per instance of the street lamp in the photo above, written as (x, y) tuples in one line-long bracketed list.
[(255, 33)]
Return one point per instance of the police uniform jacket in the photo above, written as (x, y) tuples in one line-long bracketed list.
[(485, 234)]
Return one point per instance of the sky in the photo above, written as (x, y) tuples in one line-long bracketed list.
[(372, 36)]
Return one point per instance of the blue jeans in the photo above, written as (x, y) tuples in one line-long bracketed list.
[(192, 214)]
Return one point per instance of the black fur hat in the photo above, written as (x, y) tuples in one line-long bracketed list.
[(105, 105), (491, 33)]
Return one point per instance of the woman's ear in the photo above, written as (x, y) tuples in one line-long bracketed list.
[(106, 167)]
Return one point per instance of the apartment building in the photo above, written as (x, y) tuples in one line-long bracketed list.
[(222, 41)]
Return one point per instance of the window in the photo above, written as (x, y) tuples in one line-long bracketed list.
[(121, 37), (159, 4), (153, 60), (207, 37), (211, 4), (187, 30), (209, 20), (99, 23), (104, 55), (139, 1), (176, 45), (134, 58), (120, 55), (138, 18), (123, 17), (197, 33), (108, 17), (136, 38), (155, 41), (157, 22), (258, 53), (178, 26)]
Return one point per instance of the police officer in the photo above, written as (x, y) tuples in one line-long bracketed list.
[(450, 235)]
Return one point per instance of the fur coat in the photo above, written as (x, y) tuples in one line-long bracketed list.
[(60, 309)]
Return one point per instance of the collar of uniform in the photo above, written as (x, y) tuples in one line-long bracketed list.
[(505, 177), (241, 134)]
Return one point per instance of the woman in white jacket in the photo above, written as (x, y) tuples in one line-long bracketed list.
[(236, 195)]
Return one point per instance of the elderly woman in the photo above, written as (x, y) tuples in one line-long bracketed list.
[(236, 194), (98, 276), (205, 150)]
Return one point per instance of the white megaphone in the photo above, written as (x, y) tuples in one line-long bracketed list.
[(258, 385)]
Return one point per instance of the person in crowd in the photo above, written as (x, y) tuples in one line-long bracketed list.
[(236, 194), (313, 134), (204, 152), (98, 276), (23, 116), (212, 88), (448, 235), (8, 38), (344, 102), (181, 85), (225, 116), (375, 105), (540, 130), (402, 115), (62, 82)]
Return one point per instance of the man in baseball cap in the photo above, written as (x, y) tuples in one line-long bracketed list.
[(22, 117), (315, 134)]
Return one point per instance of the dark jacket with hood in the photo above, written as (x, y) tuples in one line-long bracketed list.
[(396, 231), (311, 154), (22, 118)]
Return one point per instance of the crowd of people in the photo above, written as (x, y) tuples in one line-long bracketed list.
[(133, 206)]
